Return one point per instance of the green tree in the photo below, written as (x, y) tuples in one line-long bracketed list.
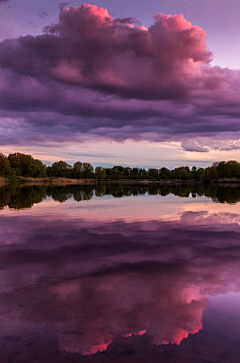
[(77, 170), (127, 171), (183, 174), (49, 171), (229, 169), (153, 173), (88, 171), (114, 173), (143, 173), (134, 172), (209, 174), (100, 172), (4, 164), (194, 172), (118, 169), (61, 169), (165, 173), (26, 165), (199, 173), (221, 169)]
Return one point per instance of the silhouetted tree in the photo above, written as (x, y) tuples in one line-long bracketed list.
[(183, 174), (229, 169), (88, 171), (4, 164), (61, 169), (77, 170), (153, 173), (164, 173), (100, 172), (26, 165)]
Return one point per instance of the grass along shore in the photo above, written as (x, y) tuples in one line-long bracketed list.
[(57, 181)]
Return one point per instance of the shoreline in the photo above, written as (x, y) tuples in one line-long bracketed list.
[(5, 181)]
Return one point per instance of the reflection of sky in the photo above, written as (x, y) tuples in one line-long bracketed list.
[(92, 276), (127, 208)]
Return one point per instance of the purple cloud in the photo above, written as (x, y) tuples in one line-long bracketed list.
[(90, 73), (193, 146), (89, 49)]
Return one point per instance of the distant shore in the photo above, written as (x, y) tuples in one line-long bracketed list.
[(21, 168), (46, 181), (60, 181)]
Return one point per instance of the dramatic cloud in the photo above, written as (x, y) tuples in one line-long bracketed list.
[(115, 279), (91, 73), (89, 48)]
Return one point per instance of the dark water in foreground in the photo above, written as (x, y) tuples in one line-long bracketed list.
[(120, 274)]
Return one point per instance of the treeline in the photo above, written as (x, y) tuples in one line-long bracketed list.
[(24, 165), (223, 169), (25, 197)]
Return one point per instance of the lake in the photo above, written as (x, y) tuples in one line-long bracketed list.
[(120, 273)]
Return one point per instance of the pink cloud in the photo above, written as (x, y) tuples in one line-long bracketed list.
[(88, 48), (114, 77)]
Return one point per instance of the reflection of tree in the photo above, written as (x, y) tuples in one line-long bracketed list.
[(100, 190), (165, 190), (27, 196), (207, 190), (181, 190), (228, 195), (153, 190), (60, 194), (5, 196), (85, 192)]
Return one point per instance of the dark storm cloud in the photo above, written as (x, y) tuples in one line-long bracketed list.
[(119, 80)]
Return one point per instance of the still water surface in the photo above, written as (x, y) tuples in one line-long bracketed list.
[(119, 274)]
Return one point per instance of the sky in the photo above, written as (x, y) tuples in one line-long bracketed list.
[(143, 83)]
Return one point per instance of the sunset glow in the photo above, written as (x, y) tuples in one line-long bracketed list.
[(119, 181), (92, 78)]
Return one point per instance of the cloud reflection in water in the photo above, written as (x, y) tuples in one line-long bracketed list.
[(91, 283)]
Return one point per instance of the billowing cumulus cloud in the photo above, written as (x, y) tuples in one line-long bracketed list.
[(91, 73), (88, 48)]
